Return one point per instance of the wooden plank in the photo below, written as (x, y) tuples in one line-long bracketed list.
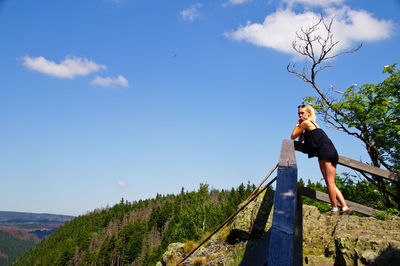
[(285, 233), (308, 192), (298, 232), (359, 166), (257, 255)]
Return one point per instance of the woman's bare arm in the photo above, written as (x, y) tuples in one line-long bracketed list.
[(297, 131), (300, 127)]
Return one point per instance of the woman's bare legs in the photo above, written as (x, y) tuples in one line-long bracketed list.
[(329, 173)]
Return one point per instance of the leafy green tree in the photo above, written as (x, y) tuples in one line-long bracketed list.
[(131, 239), (106, 251), (370, 113)]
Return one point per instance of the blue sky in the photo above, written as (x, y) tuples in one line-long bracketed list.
[(108, 99)]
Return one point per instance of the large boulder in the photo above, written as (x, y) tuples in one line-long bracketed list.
[(174, 254), (349, 240), (318, 230), (254, 220), (367, 241)]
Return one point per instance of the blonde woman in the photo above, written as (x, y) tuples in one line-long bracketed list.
[(317, 144)]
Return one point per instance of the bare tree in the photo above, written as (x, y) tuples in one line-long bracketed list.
[(317, 51), (317, 45)]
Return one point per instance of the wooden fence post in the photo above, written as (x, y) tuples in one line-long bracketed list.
[(285, 245)]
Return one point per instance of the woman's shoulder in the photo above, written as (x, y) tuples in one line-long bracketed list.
[(309, 125)]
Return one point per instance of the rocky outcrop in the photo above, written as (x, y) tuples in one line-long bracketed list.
[(254, 220), (349, 240), (215, 252), (327, 240)]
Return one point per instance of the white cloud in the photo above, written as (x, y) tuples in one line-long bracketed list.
[(279, 28), (111, 82), (70, 67), (191, 13), (321, 3), (122, 184), (235, 2), (277, 31), (358, 25)]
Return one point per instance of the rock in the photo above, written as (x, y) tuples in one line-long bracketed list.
[(364, 240), (251, 222), (349, 240), (320, 260), (317, 232), (173, 254)]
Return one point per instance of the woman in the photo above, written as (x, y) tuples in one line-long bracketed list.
[(317, 143)]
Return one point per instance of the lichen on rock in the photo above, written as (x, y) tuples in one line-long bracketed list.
[(253, 221)]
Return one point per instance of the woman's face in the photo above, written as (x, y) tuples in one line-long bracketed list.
[(303, 113)]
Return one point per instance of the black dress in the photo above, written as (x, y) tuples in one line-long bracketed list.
[(317, 143)]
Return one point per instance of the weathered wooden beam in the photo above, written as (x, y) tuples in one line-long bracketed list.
[(359, 166), (285, 246), (308, 192)]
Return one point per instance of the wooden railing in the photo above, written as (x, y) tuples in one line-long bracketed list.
[(285, 244), (359, 166), (355, 165)]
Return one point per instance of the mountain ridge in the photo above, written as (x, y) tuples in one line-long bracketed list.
[(22, 231)]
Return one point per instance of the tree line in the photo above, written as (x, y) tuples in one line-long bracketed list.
[(137, 232)]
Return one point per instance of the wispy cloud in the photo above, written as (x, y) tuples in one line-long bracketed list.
[(70, 67), (279, 28), (321, 3), (359, 25), (122, 184), (235, 2), (119, 81), (191, 13)]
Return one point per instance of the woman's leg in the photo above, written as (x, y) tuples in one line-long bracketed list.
[(329, 172)]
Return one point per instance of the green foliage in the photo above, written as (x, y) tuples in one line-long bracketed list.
[(371, 113), (13, 247), (383, 215), (160, 215), (237, 258), (322, 206), (137, 233), (373, 110), (3, 261), (132, 237), (361, 191)]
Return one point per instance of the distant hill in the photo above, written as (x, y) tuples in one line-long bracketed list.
[(20, 232), (32, 220)]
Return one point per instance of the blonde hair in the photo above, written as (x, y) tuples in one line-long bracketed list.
[(311, 111)]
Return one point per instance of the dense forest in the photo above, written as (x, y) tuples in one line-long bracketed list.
[(12, 248), (137, 232)]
